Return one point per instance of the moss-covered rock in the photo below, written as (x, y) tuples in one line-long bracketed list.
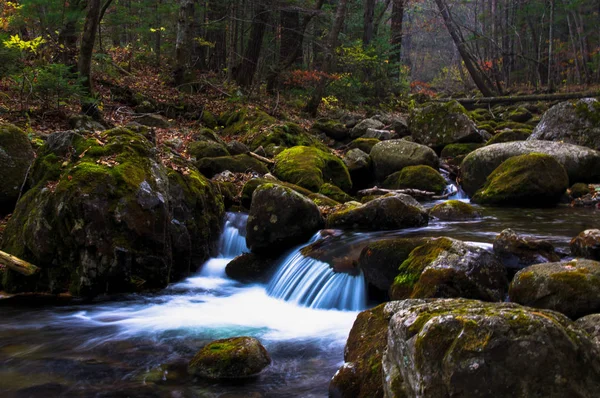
[(16, 156), (106, 216), (207, 149), (360, 167), (587, 244), (519, 115), (250, 267), (311, 168), (456, 151), (439, 124), (578, 190), (514, 126), (572, 288), (391, 156), (386, 213), (209, 120), (528, 180), (364, 144), (454, 210), (233, 358), (279, 219), (422, 177), (251, 185), (236, 164), (448, 348), (335, 193), (333, 129), (509, 136), (582, 164), (153, 120), (286, 135)]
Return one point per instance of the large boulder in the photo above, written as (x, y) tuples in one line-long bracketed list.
[(250, 267), (572, 288), (582, 164), (382, 214), (332, 129), (533, 179), (279, 219), (517, 252), (421, 177), (587, 244), (207, 149), (106, 216), (361, 128), (393, 155), (233, 358), (454, 210), (439, 124), (16, 156), (447, 267), (310, 168), (465, 348), (571, 122), (236, 164)]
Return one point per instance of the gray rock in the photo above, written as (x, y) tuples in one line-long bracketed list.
[(381, 135), (393, 155), (587, 244), (591, 324), (153, 120), (361, 128), (237, 148), (517, 252)]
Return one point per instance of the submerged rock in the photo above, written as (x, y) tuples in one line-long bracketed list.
[(572, 288), (422, 177), (16, 156), (449, 348), (447, 267), (533, 179), (587, 244), (454, 210), (279, 219), (233, 358), (517, 252), (393, 155), (582, 164)]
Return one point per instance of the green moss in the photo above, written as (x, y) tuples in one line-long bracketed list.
[(509, 135), (254, 183), (236, 164), (364, 144), (281, 135), (583, 110), (454, 210), (209, 120), (514, 126), (207, 149), (459, 150), (578, 190), (421, 177), (322, 200), (335, 193)]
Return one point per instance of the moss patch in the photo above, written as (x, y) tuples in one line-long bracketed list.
[(422, 177)]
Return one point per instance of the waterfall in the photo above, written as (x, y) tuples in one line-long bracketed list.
[(233, 238), (312, 283), (453, 188)]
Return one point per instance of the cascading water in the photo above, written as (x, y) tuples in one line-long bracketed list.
[(233, 239)]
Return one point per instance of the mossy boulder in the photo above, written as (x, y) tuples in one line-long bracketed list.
[(207, 149), (591, 325), (286, 135), (364, 144), (153, 120), (534, 179), (382, 214), (439, 124), (578, 190), (250, 268), (235, 147), (422, 177), (519, 115), (16, 156), (331, 128), (236, 164), (391, 156), (587, 244), (582, 164), (311, 168), (360, 167), (251, 185), (380, 259), (457, 347), (280, 218), (571, 122), (209, 120), (233, 358), (445, 267), (106, 216), (459, 151), (509, 136), (572, 288), (335, 193), (454, 210)]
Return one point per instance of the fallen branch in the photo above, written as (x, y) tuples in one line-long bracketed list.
[(412, 192), (18, 265), (261, 158), (519, 98)]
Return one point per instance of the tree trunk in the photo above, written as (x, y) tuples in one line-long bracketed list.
[(183, 42), (247, 68), (368, 22), (88, 39), (396, 39), (217, 34), (550, 49), (18, 265)]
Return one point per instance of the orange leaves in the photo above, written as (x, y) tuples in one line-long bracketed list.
[(306, 78)]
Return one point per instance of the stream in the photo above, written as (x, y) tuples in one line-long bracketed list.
[(139, 345)]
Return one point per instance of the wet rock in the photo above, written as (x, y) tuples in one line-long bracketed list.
[(207, 149), (517, 252), (236, 164), (447, 267), (527, 180), (448, 348), (336, 130), (250, 267), (234, 358), (310, 168), (16, 156), (382, 214), (380, 260), (591, 325), (582, 164), (391, 156), (572, 288), (361, 128), (587, 244), (454, 210), (574, 123), (423, 178), (279, 219)]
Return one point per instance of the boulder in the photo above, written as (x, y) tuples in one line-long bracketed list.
[(364, 144), (591, 325), (236, 164), (276, 136), (572, 288), (237, 148), (381, 135), (279, 219), (447, 267), (582, 164), (16, 157), (382, 214), (422, 177), (250, 267), (332, 129), (439, 124), (517, 252), (534, 179), (335, 193), (454, 210), (579, 190), (251, 185), (108, 217), (233, 358), (391, 156), (455, 151), (85, 123), (310, 168), (571, 122), (396, 123), (451, 348), (587, 244), (361, 128), (153, 120), (207, 149), (509, 136), (360, 167)]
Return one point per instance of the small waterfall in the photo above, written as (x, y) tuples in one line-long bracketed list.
[(233, 238), (312, 283), (456, 192)]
